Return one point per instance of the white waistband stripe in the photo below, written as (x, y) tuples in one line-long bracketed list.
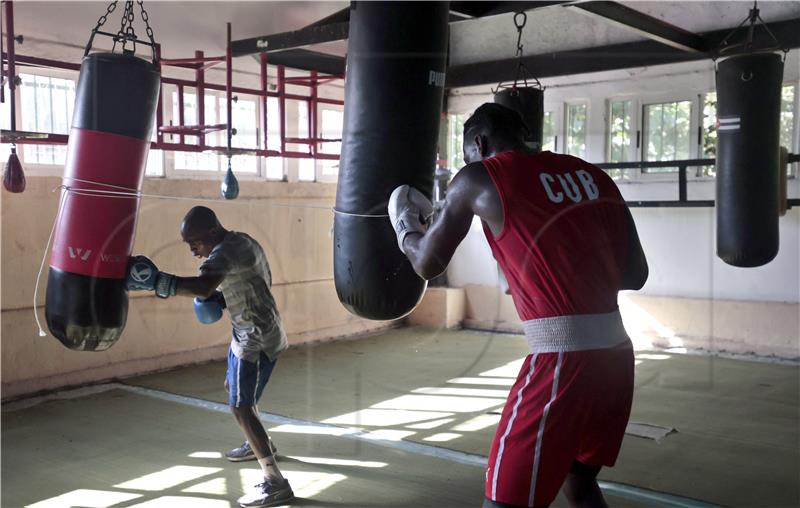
[(579, 332)]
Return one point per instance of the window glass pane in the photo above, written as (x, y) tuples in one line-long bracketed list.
[(787, 123), (708, 150), (666, 133), (787, 117), (619, 131), (245, 119), (275, 168), (576, 130), (302, 119), (306, 170), (619, 135), (274, 125), (548, 135), (331, 128), (5, 124), (155, 163), (455, 141), (329, 167), (46, 107), (182, 160)]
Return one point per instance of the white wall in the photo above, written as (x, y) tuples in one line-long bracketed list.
[(679, 243)]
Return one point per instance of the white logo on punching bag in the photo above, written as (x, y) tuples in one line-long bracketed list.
[(79, 254), (141, 272), (436, 78)]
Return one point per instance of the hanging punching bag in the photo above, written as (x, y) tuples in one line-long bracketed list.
[(115, 104), (529, 103), (393, 98), (748, 138)]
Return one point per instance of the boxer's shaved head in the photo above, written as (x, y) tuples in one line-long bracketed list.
[(492, 128), (201, 230)]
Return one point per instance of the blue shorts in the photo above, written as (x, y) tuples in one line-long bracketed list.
[(246, 380)]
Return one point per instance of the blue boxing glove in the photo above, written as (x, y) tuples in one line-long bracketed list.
[(143, 275), (209, 310)]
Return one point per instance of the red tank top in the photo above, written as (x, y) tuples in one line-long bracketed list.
[(564, 234)]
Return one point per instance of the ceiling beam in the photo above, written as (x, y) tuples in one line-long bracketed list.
[(341, 16), (482, 9), (306, 60), (336, 26), (644, 25), (309, 36), (608, 58)]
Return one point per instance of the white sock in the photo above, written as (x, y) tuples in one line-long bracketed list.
[(270, 468)]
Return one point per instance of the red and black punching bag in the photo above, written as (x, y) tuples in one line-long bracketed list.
[(394, 88), (748, 139), (115, 104)]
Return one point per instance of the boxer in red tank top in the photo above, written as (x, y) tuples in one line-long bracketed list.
[(566, 241)]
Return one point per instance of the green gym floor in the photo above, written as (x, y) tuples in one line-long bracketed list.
[(399, 419)]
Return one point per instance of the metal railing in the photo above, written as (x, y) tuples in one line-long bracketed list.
[(683, 166)]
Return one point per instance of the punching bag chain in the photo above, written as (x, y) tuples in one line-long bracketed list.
[(149, 30), (126, 33), (102, 20), (521, 72), (748, 45)]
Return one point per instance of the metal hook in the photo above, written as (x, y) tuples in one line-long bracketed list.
[(521, 25)]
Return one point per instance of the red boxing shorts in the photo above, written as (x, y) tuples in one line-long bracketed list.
[(563, 407)]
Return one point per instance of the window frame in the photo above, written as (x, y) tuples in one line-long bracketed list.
[(320, 176), (556, 126), (31, 168), (200, 174), (794, 169), (168, 156), (694, 122), (565, 124), (633, 153)]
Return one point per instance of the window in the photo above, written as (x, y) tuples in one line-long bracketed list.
[(619, 131), (194, 161), (619, 135), (548, 132), (708, 150), (244, 120), (306, 170), (455, 141), (275, 169), (666, 133), (331, 128), (5, 124), (576, 130), (47, 104), (787, 117), (155, 163)]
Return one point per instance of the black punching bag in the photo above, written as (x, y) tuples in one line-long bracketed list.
[(115, 104), (529, 103), (748, 138), (393, 98)]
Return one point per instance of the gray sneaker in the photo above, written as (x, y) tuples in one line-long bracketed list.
[(245, 453), (267, 494)]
